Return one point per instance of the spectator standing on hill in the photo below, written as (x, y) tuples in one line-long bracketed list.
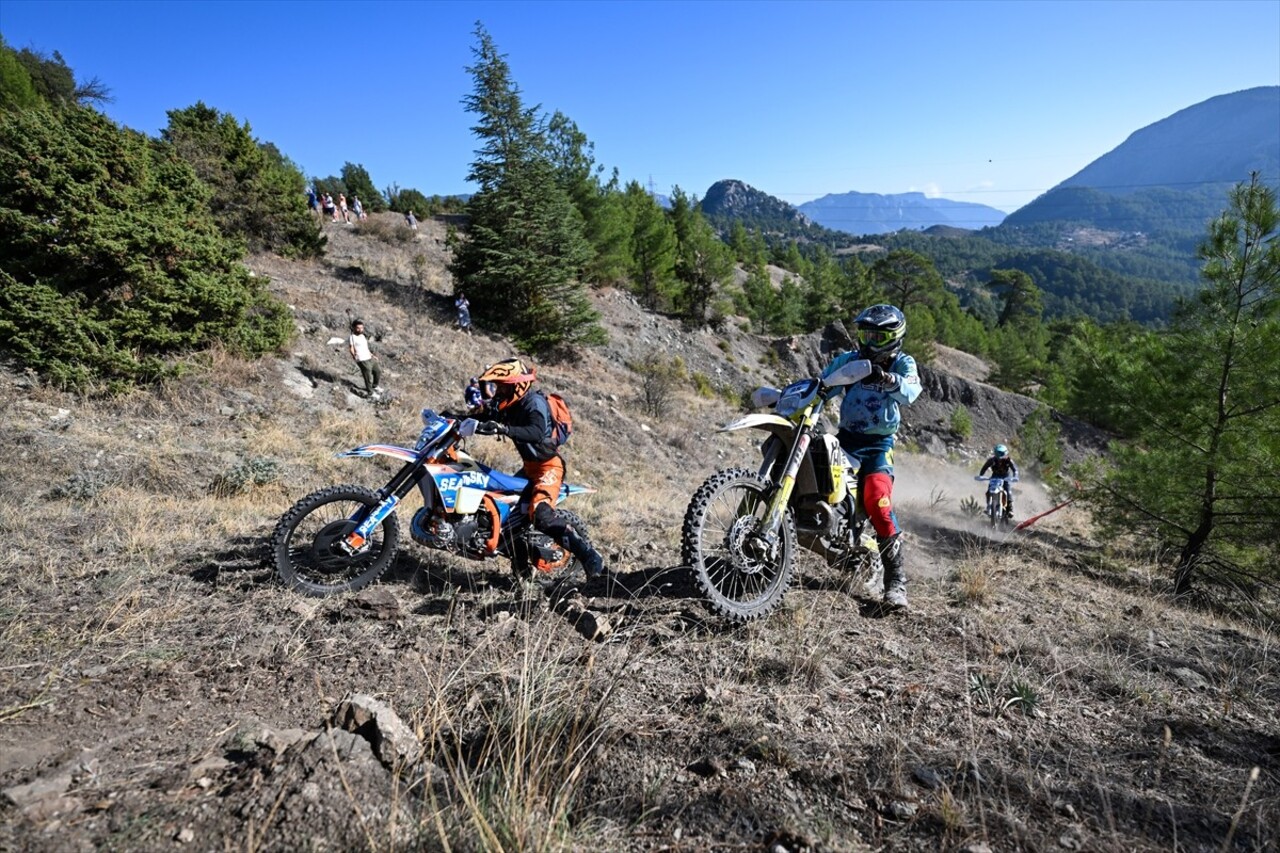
[(464, 312), (411, 220), (869, 420), (358, 346), (358, 208), (313, 203), (475, 400), (342, 207), (330, 209)]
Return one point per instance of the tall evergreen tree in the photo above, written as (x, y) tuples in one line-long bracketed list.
[(524, 251), (653, 249), (358, 184), (703, 262), (1204, 401)]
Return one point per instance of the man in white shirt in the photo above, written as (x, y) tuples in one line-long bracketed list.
[(358, 346)]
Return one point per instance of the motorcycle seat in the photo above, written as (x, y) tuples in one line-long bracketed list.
[(507, 482)]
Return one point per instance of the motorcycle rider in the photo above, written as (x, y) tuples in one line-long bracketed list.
[(513, 409), (1003, 466), (869, 419)]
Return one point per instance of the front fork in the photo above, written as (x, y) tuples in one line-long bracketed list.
[(781, 499), (392, 493)]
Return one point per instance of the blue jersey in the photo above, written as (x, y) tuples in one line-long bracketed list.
[(872, 409)]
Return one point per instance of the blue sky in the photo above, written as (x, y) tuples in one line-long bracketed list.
[(989, 102)]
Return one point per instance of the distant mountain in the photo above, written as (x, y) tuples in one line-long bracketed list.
[(872, 213), (1171, 176), (729, 201)]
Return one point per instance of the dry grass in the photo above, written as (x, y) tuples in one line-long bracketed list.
[(1036, 692)]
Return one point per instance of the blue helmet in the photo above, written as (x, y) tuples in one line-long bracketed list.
[(1000, 451)]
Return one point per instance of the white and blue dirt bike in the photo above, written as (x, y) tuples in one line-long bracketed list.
[(343, 538), (742, 527), (998, 512)]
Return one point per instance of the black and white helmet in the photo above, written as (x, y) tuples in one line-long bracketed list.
[(881, 329)]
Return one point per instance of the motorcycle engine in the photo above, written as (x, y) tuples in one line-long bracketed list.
[(432, 531), (443, 535)]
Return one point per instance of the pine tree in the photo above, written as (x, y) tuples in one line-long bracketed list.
[(703, 262), (359, 185), (653, 249), (1203, 400), (524, 252)]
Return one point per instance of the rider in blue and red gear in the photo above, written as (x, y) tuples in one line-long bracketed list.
[(869, 419)]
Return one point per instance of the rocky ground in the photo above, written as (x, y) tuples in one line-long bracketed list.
[(159, 690)]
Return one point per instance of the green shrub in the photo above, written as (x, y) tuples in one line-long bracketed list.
[(659, 376), (961, 422), (111, 268), (245, 476), (257, 193), (703, 385)]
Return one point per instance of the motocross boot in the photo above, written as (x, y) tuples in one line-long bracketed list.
[(895, 580), (590, 558), (553, 524)]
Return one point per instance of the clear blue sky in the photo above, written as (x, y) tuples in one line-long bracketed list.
[(991, 102)]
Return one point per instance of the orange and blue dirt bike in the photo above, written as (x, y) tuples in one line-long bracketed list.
[(742, 527), (343, 538)]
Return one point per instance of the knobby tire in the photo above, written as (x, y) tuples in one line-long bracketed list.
[(305, 548), (735, 585)]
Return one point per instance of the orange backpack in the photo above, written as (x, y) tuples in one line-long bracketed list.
[(561, 419)]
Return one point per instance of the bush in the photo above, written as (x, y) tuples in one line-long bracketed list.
[(110, 266), (245, 476), (659, 376), (257, 193), (961, 422)]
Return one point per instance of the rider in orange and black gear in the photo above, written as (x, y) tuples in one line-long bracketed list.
[(511, 410)]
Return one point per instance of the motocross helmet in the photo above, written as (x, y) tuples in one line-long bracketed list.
[(505, 382), (880, 330), (1000, 451)]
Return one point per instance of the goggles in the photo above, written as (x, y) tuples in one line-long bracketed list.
[(878, 337)]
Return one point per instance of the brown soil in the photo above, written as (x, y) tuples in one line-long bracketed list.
[(159, 690)]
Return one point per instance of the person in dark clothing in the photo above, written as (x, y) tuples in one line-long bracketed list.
[(1002, 466), (512, 408)]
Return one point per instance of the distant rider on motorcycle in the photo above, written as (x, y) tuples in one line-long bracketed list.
[(869, 419), (513, 409), (1002, 466)]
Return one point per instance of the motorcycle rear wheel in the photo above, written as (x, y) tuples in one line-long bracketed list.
[(306, 542), (522, 567), (739, 580)]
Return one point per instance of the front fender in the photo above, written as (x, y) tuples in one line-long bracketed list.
[(368, 451), (775, 424)]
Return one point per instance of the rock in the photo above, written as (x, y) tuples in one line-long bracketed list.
[(226, 410), (901, 810), (393, 742), (376, 602), (976, 847), (186, 836), (296, 382), (708, 767), (927, 777), (1188, 677)]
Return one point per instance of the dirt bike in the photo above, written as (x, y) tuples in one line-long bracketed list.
[(742, 527), (343, 538), (998, 500)]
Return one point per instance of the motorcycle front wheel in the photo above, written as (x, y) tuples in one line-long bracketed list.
[(306, 544), (741, 576)]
